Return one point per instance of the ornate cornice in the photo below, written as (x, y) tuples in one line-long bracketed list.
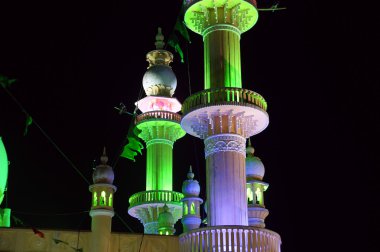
[(225, 142)]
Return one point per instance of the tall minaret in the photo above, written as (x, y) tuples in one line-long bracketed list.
[(191, 217), (255, 189), (102, 205), (160, 127), (224, 115)]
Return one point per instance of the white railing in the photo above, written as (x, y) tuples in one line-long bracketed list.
[(230, 239)]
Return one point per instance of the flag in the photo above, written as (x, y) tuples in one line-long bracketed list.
[(134, 145), (173, 40), (28, 122), (38, 233), (181, 28)]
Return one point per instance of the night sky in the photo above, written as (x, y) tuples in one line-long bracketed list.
[(75, 61)]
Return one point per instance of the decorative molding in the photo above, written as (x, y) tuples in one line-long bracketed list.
[(221, 27), (225, 142), (102, 212), (159, 141)]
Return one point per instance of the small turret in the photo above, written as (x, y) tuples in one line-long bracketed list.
[(102, 205), (191, 218), (255, 189), (166, 222)]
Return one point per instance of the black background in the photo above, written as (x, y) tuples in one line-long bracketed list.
[(313, 63)]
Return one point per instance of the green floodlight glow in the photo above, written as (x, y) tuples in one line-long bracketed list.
[(159, 136), (3, 170), (193, 13)]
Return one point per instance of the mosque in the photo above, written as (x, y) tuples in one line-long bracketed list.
[(224, 115)]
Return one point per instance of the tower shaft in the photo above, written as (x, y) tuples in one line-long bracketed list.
[(222, 57), (225, 178), (159, 164), (100, 230)]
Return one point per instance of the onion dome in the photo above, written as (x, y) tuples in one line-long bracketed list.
[(165, 218), (191, 187), (103, 173), (159, 79), (254, 167)]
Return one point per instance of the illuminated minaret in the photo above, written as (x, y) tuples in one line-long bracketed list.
[(160, 127), (102, 205), (191, 218), (224, 115), (255, 189)]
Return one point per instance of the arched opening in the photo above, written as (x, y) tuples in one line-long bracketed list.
[(95, 199), (192, 208), (110, 200), (185, 208), (103, 198)]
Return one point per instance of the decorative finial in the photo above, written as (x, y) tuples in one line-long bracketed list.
[(250, 149), (159, 39), (165, 208), (104, 158), (190, 174)]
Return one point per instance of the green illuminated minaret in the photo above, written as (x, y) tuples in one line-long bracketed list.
[(160, 127)]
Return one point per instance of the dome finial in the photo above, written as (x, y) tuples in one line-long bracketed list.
[(104, 158), (159, 39), (190, 174), (250, 150)]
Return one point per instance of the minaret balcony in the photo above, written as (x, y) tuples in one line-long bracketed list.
[(155, 196), (158, 115), (224, 110), (146, 206), (230, 239)]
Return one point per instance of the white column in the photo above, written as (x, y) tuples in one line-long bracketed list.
[(226, 180)]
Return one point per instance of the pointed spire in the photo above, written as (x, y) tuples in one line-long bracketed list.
[(190, 174), (104, 158), (159, 39)]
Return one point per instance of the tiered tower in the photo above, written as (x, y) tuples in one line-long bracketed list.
[(191, 217), (160, 127), (255, 189), (102, 205), (224, 115)]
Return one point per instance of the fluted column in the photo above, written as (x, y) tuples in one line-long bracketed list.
[(226, 180), (159, 165), (222, 57)]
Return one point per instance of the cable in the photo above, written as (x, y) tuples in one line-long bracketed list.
[(49, 214), (121, 148), (142, 238), (122, 221), (188, 66), (46, 135)]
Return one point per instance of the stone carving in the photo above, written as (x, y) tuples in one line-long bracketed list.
[(225, 142)]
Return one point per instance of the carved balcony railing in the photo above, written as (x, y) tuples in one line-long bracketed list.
[(223, 96), (157, 114), (230, 239), (158, 196)]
